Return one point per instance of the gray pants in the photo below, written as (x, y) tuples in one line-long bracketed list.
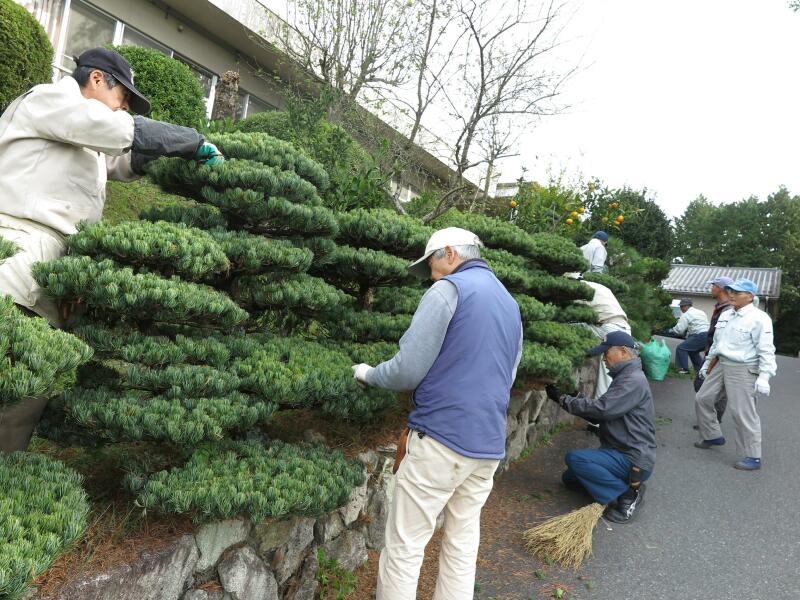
[(737, 382)]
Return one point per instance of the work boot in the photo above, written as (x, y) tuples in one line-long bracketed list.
[(706, 444), (748, 464), (627, 506)]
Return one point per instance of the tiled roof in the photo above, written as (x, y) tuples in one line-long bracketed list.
[(693, 279)]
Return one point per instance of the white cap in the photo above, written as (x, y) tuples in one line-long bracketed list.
[(450, 236)]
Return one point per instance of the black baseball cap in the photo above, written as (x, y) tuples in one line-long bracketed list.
[(114, 63), (615, 338)]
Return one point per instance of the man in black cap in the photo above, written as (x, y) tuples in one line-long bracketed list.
[(59, 143), (614, 473)]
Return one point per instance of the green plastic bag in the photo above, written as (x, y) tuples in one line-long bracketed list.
[(656, 358)]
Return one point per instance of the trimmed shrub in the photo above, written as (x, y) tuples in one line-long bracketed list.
[(175, 94), (26, 55), (35, 359), (247, 478), (42, 513)]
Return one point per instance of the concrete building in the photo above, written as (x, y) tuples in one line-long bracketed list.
[(691, 281), (212, 37)]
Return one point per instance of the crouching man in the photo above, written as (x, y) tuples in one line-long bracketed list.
[(58, 144), (614, 473), (460, 357)]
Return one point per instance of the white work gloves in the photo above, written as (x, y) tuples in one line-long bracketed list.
[(762, 386), (360, 373), (703, 372)]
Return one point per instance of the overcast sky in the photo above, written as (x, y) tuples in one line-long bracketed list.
[(684, 97)]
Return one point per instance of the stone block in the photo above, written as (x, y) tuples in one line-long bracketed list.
[(369, 459), (355, 504), (306, 586), (328, 527), (214, 538), (159, 575), (517, 402), (245, 576), (376, 512), (511, 426), (350, 549), (271, 535), (204, 595), (288, 558)]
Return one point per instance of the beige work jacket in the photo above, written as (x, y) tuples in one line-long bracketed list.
[(57, 149)]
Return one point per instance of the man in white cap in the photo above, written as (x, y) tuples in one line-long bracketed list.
[(740, 363), (459, 357)]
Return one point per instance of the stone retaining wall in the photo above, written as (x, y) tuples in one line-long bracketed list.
[(277, 560)]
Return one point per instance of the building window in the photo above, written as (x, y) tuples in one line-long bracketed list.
[(254, 105), (131, 37), (48, 13), (87, 28)]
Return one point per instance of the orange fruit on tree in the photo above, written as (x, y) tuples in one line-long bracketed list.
[(569, 221), (620, 218), (574, 213), (581, 210), (604, 219), (513, 204)]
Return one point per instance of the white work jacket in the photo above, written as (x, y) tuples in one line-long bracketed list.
[(745, 336), (605, 304), (595, 254), (57, 149), (692, 322)]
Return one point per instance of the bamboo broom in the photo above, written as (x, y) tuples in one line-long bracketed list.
[(566, 539)]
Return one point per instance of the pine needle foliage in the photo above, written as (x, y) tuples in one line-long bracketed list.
[(382, 229), (398, 300), (170, 248), (7, 249), (42, 513), (553, 253), (617, 286), (201, 216), (35, 360), (273, 152), (106, 287), (571, 340), (225, 480), (576, 313)]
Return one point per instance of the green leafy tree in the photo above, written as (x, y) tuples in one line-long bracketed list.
[(645, 227), (750, 233)]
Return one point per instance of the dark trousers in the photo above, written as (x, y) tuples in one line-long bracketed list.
[(692, 347), (603, 473)]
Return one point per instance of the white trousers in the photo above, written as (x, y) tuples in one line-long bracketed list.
[(36, 244), (433, 478)]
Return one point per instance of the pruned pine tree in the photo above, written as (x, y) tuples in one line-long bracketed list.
[(194, 314)]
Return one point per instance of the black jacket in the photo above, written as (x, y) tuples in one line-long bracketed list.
[(625, 412)]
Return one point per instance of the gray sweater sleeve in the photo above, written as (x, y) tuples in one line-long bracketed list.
[(421, 343)]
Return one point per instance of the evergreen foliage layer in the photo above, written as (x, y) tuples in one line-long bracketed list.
[(247, 478), (42, 513)]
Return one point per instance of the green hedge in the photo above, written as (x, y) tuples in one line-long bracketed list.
[(43, 512), (26, 55), (174, 92)]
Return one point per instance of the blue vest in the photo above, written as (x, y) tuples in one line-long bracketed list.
[(463, 400)]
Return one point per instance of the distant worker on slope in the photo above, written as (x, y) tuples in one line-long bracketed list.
[(595, 253), (59, 143)]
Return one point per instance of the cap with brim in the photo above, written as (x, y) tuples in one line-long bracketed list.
[(685, 302), (722, 282), (114, 64), (615, 338), (450, 236), (743, 285)]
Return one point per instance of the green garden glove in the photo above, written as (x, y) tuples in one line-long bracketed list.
[(209, 154)]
